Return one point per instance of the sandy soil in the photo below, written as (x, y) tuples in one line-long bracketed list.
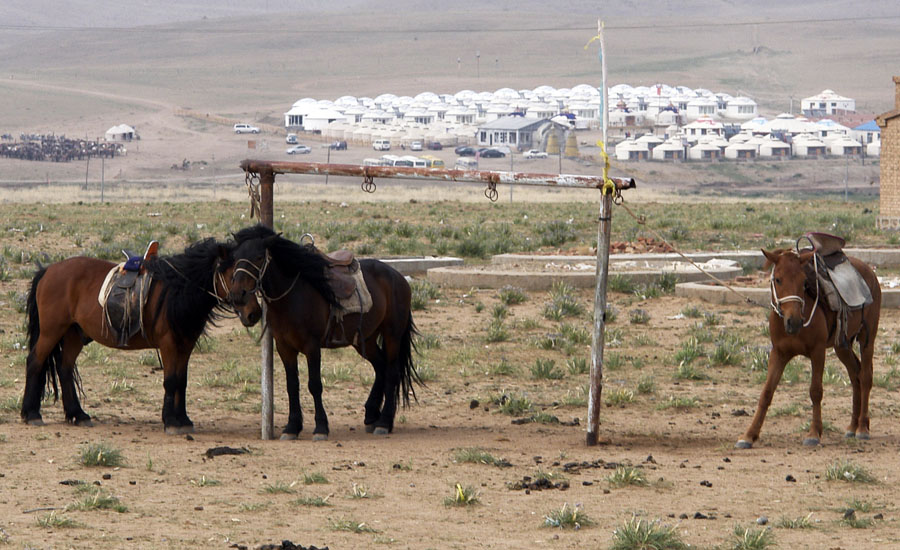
[(697, 481)]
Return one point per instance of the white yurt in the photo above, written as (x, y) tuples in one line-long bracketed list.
[(843, 145), (701, 107), (632, 150), (740, 108), (704, 150), (650, 139), (744, 150), (771, 147), (807, 145), (671, 149), (120, 132)]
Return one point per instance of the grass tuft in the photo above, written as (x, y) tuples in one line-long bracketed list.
[(641, 534), (568, 517), (101, 454)]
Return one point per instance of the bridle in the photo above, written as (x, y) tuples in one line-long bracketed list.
[(258, 277), (776, 301)]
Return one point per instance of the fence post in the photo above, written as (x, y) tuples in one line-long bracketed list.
[(266, 217)]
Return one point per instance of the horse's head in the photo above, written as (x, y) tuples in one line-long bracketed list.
[(788, 286), (250, 261)]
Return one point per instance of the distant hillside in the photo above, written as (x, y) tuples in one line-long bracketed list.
[(259, 56)]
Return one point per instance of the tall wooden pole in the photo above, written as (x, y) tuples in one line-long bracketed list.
[(266, 217), (603, 233)]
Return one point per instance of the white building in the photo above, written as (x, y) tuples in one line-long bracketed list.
[(826, 103), (632, 150)]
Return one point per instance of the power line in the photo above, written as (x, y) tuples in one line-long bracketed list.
[(493, 30)]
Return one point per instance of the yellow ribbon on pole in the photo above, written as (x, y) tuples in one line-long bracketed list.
[(609, 186)]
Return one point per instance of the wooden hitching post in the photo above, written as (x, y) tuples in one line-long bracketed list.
[(266, 217)]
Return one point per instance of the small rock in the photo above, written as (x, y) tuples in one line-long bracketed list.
[(706, 483), (198, 508), (739, 412), (790, 478), (474, 404), (849, 513), (683, 516), (587, 483), (762, 520), (107, 476), (878, 516), (132, 482), (726, 459), (189, 437), (700, 515)]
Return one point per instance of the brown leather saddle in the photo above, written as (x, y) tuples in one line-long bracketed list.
[(123, 295), (346, 280), (842, 286), (343, 266)]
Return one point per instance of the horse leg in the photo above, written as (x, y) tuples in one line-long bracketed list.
[(817, 358), (866, 373), (851, 363), (295, 415), (174, 412), (314, 366), (72, 346), (390, 356), (375, 355), (776, 368), (37, 376)]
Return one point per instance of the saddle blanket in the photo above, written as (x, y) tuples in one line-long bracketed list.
[(850, 285), (360, 301)]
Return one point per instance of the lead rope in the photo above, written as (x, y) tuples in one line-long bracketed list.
[(618, 200)]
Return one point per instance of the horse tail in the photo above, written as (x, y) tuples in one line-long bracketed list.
[(50, 367), (408, 374)]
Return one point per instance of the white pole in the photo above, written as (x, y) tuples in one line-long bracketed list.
[(603, 234)]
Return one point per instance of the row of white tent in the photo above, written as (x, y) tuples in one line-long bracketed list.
[(468, 107), (745, 145)]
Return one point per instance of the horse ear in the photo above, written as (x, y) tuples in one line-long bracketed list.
[(269, 241), (771, 257), (224, 252)]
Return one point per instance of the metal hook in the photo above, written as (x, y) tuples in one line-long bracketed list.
[(368, 184), (491, 191)]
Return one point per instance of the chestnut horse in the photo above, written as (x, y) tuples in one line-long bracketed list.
[(64, 315), (801, 323), (293, 280)]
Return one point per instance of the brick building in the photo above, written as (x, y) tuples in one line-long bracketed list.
[(889, 203)]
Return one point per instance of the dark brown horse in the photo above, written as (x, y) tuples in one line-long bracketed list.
[(64, 315), (801, 323), (294, 282)]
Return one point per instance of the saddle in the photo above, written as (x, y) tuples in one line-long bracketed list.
[(123, 295), (346, 280), (844, 288)]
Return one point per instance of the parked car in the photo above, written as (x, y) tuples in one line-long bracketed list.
[(241, 128), (381, 145), (299, 150), (535, 154), (434, 145), (291, 139), (466, 164), (488, 153), (339, 145), (415, 146), (465, 151), (433, 161)]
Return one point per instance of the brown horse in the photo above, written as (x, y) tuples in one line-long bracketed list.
[(293, 280), (64, 315), (801, 323)]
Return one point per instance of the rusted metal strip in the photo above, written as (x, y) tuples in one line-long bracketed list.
[(405, 172)]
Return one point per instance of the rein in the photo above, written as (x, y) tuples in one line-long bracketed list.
[(221, 280), (257, 278), (776, 301)]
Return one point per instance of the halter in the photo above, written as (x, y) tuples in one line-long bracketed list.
[(217, 277), (257, 278), (776, 301)]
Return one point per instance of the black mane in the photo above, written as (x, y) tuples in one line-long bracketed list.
[(292, 259), (187, 290)]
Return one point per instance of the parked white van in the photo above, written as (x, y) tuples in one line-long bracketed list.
[(466, 163), (381, 145), (416, 162), (373, 162), (241, 128)]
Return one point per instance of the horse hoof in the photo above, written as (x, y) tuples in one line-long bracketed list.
[(179, 430), (380, 431), (811, 441), (35, 422), (87, 423), (863, 435), (320, 437), (849, 435), (288, 437), (743, 444), (370, 428)]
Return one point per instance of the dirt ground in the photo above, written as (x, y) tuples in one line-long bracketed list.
[(178, 497)]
